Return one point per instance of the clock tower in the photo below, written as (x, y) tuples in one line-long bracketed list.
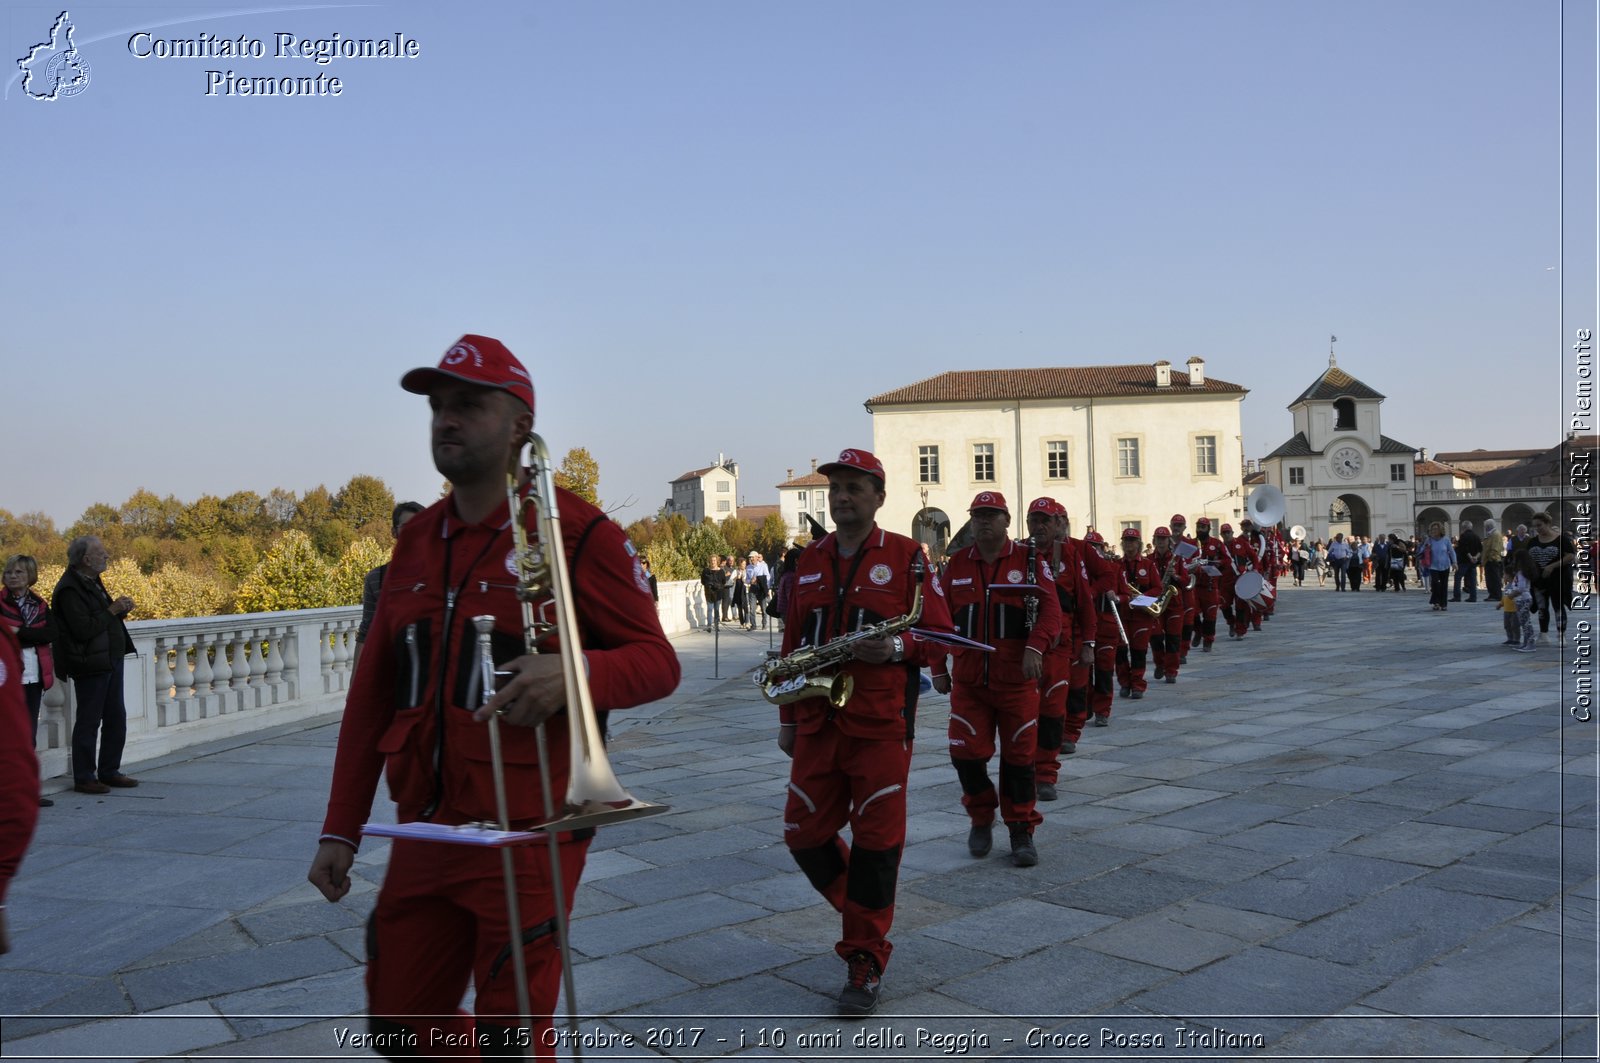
[(1339, 472)]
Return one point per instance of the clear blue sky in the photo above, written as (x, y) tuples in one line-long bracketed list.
[(720, 226)]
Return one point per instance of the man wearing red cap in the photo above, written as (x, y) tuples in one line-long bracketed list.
[(1108, 630), (1000, 594), (1140, 576), (415, 713), (1169, 625), (1188, 596), (1061, 685), (851, 761), (1243, 557), (1208, 588)]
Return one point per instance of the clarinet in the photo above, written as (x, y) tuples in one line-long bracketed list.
[(1030, 604)]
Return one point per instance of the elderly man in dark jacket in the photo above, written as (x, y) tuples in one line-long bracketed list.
[(1469, 549), (92, 644)]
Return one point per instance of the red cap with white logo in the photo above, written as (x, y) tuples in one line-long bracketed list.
[(476, 360), (1177, 521), (857, 461), (1048, 506), (1130, 533), (989, 500), (1163, 533)]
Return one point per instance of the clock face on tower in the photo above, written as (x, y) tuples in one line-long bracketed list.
[(1346, 462)]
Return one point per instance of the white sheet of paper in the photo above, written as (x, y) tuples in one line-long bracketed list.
[(1143, 600), (1185, 550), (1211, 570), (462, 835)]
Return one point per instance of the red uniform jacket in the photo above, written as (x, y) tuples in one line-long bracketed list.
[(834, 596), (997, 617), (19, 770), (1144, 575), (1075, 598), (412, 699), (1213, 554)]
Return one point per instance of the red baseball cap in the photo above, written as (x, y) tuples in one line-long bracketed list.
[(989, 500), (1227, 528), (856, 461), (1130, 533), (1163, 533), (1177, 518), (1094, 537), (1048, 506), (1203, 522), (476, 360)]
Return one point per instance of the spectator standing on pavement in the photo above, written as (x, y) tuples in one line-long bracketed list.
[(1554, 553), (1339, 559), (1397, 556), (1469, 551), (92, 643), (1440, 558), (1494, 553), (28, 615), (713, 582), (757, 583)]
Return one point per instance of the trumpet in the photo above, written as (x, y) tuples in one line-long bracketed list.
[(795, 678)]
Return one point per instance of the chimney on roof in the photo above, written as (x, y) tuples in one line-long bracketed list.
[(1424, 453), (1197, 371), (790, 476), (813, 464), (1163, 374)]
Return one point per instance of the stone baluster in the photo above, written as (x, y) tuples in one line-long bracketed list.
[(203, 674), (291, 661), (163, 684), (182, 679), (53, 715), (341, 655), (329, 680), (222, 673), (274, 676)]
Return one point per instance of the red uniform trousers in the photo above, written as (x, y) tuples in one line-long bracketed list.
[(837, 779), (1131, 658), (1108, 639), (441, 919), (976, 714), (1166, 634), (1207, 602), (1077, 699), (1190, 611), (1053, 696)]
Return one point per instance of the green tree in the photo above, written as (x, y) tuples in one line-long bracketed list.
[(98, 520), (350, 572), (741, 535), (365, 500), (241, 513), (580, 474), (202, 520), (314, 509), (145, 514), (699, 543), (291, 576), (668, 561), (177, 592), (771, 538), (278, 509)]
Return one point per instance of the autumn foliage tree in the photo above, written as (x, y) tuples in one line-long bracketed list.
[(580, 474)]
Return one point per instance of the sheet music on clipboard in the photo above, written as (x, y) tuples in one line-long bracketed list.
[(1185, 550)]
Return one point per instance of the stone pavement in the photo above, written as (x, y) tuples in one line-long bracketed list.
[(1368, 832)]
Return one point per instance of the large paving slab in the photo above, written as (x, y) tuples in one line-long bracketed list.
[(1365, 832)]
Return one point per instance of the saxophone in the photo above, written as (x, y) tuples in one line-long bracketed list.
[(801, 674)]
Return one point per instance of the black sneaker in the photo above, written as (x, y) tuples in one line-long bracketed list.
[(860, 994), (1069, 747), (1023, 854), (980, 839), (1045, 791), (1102, 721), (1124, 691)]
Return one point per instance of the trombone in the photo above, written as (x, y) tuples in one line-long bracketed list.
[(593, 797)]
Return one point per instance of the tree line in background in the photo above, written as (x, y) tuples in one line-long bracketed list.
[(252, 553)]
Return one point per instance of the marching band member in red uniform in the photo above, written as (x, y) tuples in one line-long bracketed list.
[(1188, 596), (1243, 558), (1261, 561), (1207, 587), (417, 714), (1047, 525), (851, 762), (999, 691), (1169, 625), (1140, 574), (1108, 637), (19, 772)]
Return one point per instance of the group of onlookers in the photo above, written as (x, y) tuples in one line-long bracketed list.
[(1523, 571), (736, 589)]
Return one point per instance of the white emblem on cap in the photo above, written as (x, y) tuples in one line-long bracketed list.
[(880, 574), (848, 457), (1015, 576), (458, 354)]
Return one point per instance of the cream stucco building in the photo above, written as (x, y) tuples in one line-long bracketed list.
[(1339, 472), (1118, 445)]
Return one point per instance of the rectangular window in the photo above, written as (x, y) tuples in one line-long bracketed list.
[(1397, 474), (1205, 455), (723, 505), (1127, 457), (723, 487), (983, 462), (1433, 485), (928, 465), (802, 499), (1056, 467), (1297, 475)]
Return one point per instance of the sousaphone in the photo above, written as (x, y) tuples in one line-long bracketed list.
[(1265, 506)]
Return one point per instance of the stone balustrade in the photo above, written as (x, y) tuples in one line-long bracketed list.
[(202, 679), (1479, 494)]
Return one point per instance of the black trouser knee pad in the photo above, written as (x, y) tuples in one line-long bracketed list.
[(822, 864), (1122, 656), (1103, 680), (1017, 779), (872, 877), (1139, 659), (1209, 629), (1078, 702), (1051, 731), (974, 775)]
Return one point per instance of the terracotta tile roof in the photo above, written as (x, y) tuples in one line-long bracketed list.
[(1061, 382), (694, 474), (1488, 455), (1255, 478), (1333, 384), (1436, 468), (810, 479), (757, 514)]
